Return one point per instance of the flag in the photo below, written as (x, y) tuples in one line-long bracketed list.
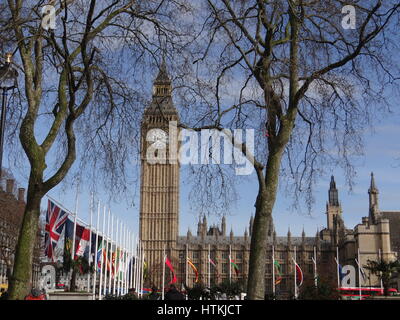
[(130, 266), (194, 269), (362, 271), (121, 264), (215, 266), (99, 254), (213, 263), (299, 275), (107, 259), (92, 248), (82, 236), (168, 263), (55, 223), (341, 274), (58, 252), (113, 262), (277, 266), (235, 267), (145, 268), (69, 231)]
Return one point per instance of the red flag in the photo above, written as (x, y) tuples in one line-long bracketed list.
[(194, 269), (299, 275), (169, 265), (82, 236), (235, 267)]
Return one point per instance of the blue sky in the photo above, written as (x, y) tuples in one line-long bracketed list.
[(382, 156)]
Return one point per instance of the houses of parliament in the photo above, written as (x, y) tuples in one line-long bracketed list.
[(377, 235)]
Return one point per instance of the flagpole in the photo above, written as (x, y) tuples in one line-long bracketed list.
[(95, 250), (163, 272), (123, 279), (116, 256), (135, 248), (137, 264), (230, 267), (90, 240), (359, 270), (337, 264), (209, 267), (128, 244), (273, 270), (128, 264), (380, 274), (120, 260), (186, 270), (315, 268), (139, 268), (111, 252), (107, 244), (125, 262), (295, 274), (102, 251), (75, 216), (121, 274), (141, 286), (132, 256)]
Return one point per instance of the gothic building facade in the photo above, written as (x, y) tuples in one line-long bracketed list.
[(159, 222), (12, 206)]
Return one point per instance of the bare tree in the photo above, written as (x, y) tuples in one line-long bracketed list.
[(293, 71), (79, 99)]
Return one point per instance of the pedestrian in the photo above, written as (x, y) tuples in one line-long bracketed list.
[(173, 294), (154, 295), (132, 294), (4, 296), (36, 294)]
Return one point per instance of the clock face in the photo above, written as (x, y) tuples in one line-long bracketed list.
[(158, 136)]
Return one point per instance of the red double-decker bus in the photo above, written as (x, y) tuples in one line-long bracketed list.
[(353, 293)]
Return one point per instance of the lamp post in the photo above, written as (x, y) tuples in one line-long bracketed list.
[(8, 81)]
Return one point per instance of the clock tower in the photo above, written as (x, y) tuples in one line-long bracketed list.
[(159, 181)]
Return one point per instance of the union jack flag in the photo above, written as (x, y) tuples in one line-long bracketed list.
[(55, 221)]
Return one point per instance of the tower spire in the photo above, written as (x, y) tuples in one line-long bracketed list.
[(333, 193), (223, 225), (373, 187), (373, 200), (162, 83)]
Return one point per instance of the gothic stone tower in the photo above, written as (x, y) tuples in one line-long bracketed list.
[(159, 182)]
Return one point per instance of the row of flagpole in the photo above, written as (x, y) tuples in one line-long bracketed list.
[(124, 247), (298, 273), (297, 270), (361, 272)]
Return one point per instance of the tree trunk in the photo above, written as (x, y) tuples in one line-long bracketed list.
[(262, 223), (72, 284), (20, 283), (256, 282), (386, 285), (9, 274)]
